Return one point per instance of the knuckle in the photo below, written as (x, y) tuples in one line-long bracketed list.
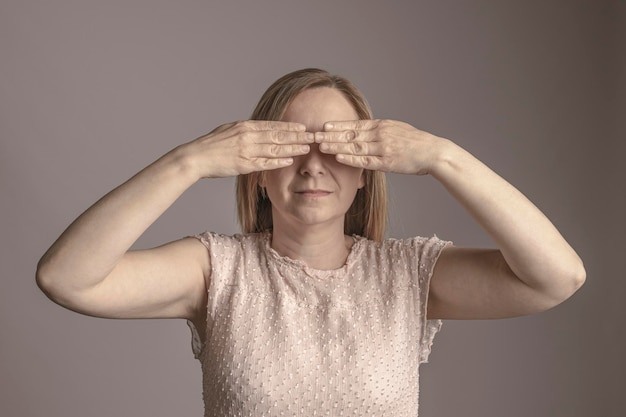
[(222, 128), (262, 163), (305, 137), (271, 163), (226, 126), (385, 123), (241, 124), (246, 136), (274, 150), (278, 136)]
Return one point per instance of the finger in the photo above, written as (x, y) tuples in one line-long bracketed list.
[(352, 148), (282, 137), (277, 137), (350, 125), (345, 136), (267, 164), (373, 163), (264, 125), (278, 151)]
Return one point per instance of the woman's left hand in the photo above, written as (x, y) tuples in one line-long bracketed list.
[(380, 145)]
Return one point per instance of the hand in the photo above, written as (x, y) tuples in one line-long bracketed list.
[(247, 146), (380, 145)]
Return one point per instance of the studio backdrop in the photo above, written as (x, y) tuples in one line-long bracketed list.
[(93, 91)]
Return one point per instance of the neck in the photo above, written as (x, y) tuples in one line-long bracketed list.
[(319, 248)]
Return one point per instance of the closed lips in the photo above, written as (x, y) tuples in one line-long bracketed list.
[(313, 192)]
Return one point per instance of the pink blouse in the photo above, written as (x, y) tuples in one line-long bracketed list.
[(284, 339)]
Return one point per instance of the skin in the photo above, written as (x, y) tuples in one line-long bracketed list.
[(311, 196), (90, 268), (318, 146), (532, 269)]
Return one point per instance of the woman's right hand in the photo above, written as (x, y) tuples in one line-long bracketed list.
[(247, 146)]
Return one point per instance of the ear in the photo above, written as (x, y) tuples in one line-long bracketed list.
[(261, 180), (362, 180)]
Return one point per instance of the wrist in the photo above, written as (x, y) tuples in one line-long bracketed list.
[(183, 163), (447, 158)]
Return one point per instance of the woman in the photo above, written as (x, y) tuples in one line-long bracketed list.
[(311, 311)]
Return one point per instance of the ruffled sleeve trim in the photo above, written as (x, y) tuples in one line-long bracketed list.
[(197, 345), (428, 254)]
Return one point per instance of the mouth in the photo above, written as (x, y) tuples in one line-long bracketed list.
[(313, 193)]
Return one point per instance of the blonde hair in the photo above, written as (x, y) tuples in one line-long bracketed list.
[(367, 216)]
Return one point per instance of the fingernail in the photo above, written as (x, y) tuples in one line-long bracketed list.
[(310, 136), (319, 136), (305, 148), (323, 146), (328, 126)]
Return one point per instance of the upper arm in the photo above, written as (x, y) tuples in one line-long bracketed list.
[(168, 281), (478, 284)]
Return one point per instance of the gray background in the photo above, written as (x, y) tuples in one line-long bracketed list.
[(90, 92)]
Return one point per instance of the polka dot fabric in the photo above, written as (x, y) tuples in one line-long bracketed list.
[(283, 339)]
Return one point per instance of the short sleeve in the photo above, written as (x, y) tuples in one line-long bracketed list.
[(428, 251), (219, 248)]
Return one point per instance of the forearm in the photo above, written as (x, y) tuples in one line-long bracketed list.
[(531, 245), (94, 243)]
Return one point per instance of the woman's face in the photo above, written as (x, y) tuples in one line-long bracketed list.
[(315, 189)]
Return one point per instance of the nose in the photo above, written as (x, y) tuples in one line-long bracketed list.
[(313, 163)]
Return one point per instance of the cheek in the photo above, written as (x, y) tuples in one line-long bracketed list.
[(354, 176), (276, 178), (268, 178)]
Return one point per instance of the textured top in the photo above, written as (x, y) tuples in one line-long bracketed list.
[(284, 339)]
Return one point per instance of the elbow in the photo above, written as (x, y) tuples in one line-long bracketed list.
[(60, 286), (569, 282), (43, 278), (574, 276), (555, 286), (50, 283), (41, 275), (579, 276)]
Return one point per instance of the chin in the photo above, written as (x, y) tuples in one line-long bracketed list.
[(318, 219)]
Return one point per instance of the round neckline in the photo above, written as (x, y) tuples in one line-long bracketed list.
[(310, 271)]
